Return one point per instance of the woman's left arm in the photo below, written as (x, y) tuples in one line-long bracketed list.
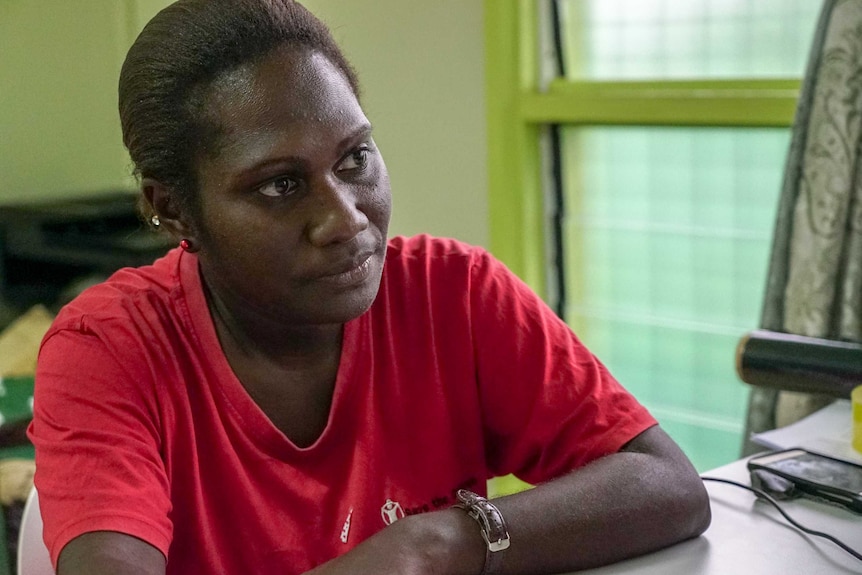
[(645, 497)]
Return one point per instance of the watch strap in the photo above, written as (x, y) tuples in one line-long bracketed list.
[(492, 525)]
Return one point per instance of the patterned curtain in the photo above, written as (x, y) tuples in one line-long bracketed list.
[(815, 276)]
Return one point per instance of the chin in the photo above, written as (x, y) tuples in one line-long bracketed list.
[(345, 305)]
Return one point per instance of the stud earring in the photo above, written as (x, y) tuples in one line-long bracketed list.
[(155, 221), (185, 244)]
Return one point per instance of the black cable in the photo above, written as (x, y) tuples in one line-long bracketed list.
[(766, 497)]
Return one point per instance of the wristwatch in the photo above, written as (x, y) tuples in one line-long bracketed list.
[(493, 527)]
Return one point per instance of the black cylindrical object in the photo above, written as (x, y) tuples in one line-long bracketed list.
[(799, 363)]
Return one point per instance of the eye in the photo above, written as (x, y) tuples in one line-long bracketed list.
[(356, 160), (279, 187)]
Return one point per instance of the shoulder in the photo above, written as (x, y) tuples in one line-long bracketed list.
[(128, 295), (439, 265), (434, 259), (433, 252), (445, 269)]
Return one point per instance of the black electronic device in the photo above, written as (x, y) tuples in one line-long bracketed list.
[(814, 475), (799, 363), (46, 245)]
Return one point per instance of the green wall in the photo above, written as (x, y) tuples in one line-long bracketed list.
[(421, 65)]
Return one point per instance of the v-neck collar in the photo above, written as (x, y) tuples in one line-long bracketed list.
[(226, 385)]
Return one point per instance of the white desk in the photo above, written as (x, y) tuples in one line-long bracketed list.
[(750, 537)]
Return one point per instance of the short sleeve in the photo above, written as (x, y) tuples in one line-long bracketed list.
[(96, 433), (549, 405)]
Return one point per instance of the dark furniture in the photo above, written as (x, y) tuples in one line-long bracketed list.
[(44, 246)]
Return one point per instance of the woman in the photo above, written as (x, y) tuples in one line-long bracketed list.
[(290, 391)]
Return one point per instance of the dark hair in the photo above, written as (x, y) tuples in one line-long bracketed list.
[(177, 56)]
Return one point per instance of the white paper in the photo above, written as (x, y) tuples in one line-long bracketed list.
[(827, 431)]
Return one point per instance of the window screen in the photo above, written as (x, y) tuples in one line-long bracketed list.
[(649, 39), (667, 239), (667, 230)]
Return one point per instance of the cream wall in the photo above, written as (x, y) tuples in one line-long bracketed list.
[(420, 63), (59, 133)]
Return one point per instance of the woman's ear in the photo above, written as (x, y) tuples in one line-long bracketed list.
[(167, 209)]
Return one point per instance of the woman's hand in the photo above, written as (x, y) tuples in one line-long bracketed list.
[(441, 542)]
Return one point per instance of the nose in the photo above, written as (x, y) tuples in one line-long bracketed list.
[(336, 217)]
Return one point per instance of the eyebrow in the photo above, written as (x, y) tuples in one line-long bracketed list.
[(361, 132)]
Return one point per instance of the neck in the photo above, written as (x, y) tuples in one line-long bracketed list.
[(247, 331)]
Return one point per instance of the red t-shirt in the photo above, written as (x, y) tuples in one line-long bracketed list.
[(457, 373)]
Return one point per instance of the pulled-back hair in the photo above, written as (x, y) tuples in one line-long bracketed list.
[(178, 55)]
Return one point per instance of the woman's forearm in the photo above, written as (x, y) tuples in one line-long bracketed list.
[(645, 497)]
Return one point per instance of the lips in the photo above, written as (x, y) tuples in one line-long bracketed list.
[(355, 271)]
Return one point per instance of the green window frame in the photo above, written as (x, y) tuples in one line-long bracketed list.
[(521, 110), (518, 112)]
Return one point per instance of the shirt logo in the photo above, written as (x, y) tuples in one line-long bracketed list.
[(391, 512), (345, 531)]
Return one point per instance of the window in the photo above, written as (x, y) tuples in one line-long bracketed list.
[(672, 125), (664, 39)]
